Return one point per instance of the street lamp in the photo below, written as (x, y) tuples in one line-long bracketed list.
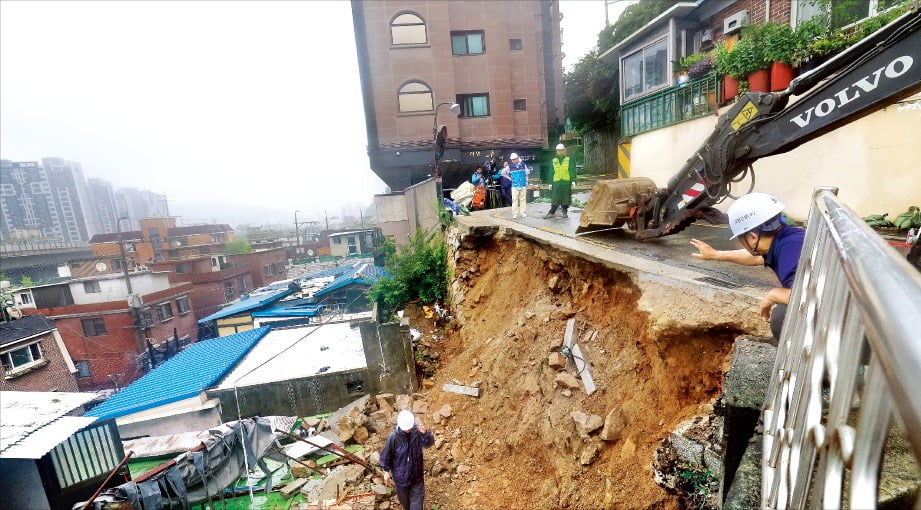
[(438, 143), (297, 231)]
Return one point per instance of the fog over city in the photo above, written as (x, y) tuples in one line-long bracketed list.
[(236, 111)]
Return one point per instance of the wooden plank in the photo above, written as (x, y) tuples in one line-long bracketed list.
[(463, 390), (583, 368)]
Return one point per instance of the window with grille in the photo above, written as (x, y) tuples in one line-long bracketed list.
[(164, 311)]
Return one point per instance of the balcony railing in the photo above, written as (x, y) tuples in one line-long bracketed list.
[(691, 100)]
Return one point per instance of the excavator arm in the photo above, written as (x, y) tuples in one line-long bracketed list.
[(877, 71)]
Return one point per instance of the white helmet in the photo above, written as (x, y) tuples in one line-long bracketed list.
[(405, 420), (560, 147), (752, 211), (514, 155)]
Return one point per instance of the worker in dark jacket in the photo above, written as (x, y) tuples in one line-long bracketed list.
[(756, 222), (401, 460)]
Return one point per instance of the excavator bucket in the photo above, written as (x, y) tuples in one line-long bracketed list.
[(614, 201)]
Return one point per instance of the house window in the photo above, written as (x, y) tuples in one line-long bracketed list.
[(520, 105), (118, 265), (468, 43), (218, 238), (182, 305), (268, 270), (241, 281), (415, 96), (25, 298), (164, 311), (91, 287), (279, 267), (204, 250), (337, 240), (514, 44), (228, 290), (75, 264), (83, 368), (94, 327), (646, 69), (22, 357), (473, 105), (407, 28), (181, 267)]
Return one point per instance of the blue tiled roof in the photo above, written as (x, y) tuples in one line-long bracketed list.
[(290, 308), (190, 372), (361, 273), (245, 305)]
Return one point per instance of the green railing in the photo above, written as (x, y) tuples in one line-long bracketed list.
[(668, 107)]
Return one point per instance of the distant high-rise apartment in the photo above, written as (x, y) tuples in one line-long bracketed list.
[(27, 203), (70, 198), (138, 204), (500, 61), (102, 202)]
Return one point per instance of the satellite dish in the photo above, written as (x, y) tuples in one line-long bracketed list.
[(101, 266), (310, 252)]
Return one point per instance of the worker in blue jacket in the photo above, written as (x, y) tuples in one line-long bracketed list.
[(401, 460)]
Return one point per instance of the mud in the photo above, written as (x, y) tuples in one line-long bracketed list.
[(516, 446)]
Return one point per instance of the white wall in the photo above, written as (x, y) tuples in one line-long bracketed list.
[(875, 161), (114, 289)]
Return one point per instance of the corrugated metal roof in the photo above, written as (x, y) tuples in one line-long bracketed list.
[(24, 412), (333, 271), (44, 439), (364, 273), (289, 308), (187, 374), (246, 305), (25, 327), (155, 446)]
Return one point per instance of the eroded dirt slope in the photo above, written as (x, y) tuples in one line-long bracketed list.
[(516, 445)]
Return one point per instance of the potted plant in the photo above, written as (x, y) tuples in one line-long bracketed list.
[(804, 58), (752, 59), (727, 66), (779, 45), (701, 67)]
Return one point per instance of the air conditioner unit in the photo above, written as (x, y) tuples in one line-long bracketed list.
[(734, 23), (706, 36)]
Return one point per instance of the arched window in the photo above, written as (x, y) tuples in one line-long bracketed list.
[(415, 96), (408, 28)]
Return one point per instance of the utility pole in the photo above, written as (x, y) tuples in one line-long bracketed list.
[(327, 219), (297, 230), (132, 300)]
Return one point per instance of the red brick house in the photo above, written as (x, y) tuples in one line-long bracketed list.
[(34, 357), (112, 337)]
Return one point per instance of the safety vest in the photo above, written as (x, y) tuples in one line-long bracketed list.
[(561, 169)]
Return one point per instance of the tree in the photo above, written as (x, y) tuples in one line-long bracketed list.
[(236, 247), (633, 19), (419, 270)]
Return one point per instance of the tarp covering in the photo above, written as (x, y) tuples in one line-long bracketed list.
[(201, 474), (612, 201)]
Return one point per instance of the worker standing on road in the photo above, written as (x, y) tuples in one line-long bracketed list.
[(519, 173), (561, 188), (505, 185), (756, 222), (401, 460)]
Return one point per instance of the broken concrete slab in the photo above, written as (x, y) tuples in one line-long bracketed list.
[(362, 405), (586, 423), (385, 401), (583, 369), (420, 407), (404, 402), (461, 390), (569, 334), (567, 380), (360, 435), (339, 478)]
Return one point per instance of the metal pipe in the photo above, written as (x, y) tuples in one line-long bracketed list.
[(117, 468), (340, 453)]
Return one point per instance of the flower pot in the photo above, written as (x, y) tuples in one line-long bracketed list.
[(730, 87), (781, 76), (759, 81)]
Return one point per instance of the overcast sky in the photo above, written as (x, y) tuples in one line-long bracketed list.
[(247, 105)]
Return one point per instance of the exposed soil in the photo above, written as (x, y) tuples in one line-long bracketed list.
[(516, 445)]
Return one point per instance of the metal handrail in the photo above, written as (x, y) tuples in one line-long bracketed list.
[(852, 290)]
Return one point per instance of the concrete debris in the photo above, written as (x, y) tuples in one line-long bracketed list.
[(339, 478), (290, 490), (462, 468), (311, 489), (589, 453), (445, 411), (553, 283), (404, 402), (614, 424), (569, 334), (475, 384), (360, 435), (556, 360), (439, 441), (563, 313), (458, 453), (360, 406), (566, 392), (462, 390), (374, 458), (385, 402), (586, 423), (567, 380), (438, 468), (529, 315), (351, 422), (381, 490), (528, 335), (420, 407), (583, 369), (310, 421)]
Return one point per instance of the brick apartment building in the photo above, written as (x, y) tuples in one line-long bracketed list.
[(500, 61), (108, 341), (195, 255), (34, 357)]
